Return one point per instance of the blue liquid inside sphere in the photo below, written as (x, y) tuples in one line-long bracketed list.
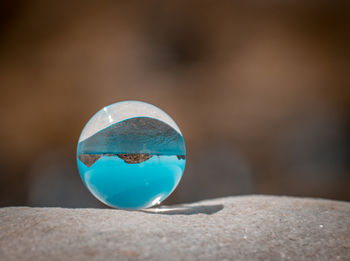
[(133, 163)]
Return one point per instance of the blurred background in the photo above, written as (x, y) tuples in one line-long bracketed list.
[(260, 90)]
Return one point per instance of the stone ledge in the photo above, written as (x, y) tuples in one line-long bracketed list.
[(232, 228)]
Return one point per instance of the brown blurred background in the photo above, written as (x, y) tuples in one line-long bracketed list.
[(260, 90)]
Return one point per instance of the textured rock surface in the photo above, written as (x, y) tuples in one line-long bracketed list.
[(136, 135), (234, 228)]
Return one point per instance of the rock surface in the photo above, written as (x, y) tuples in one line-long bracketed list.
[(233, 228), (137, 135)]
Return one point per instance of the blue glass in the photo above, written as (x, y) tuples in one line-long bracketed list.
[(131, 155)]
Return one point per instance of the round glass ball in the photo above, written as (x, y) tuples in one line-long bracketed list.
[(131, 155)]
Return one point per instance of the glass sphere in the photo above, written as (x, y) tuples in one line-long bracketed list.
[(131, 155)]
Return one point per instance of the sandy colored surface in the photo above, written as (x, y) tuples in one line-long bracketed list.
[(233, 228)]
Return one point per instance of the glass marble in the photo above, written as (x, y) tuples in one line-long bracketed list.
[(131, 155)]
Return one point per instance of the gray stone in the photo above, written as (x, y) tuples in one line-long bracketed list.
[(233, 228), (137, 135)]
